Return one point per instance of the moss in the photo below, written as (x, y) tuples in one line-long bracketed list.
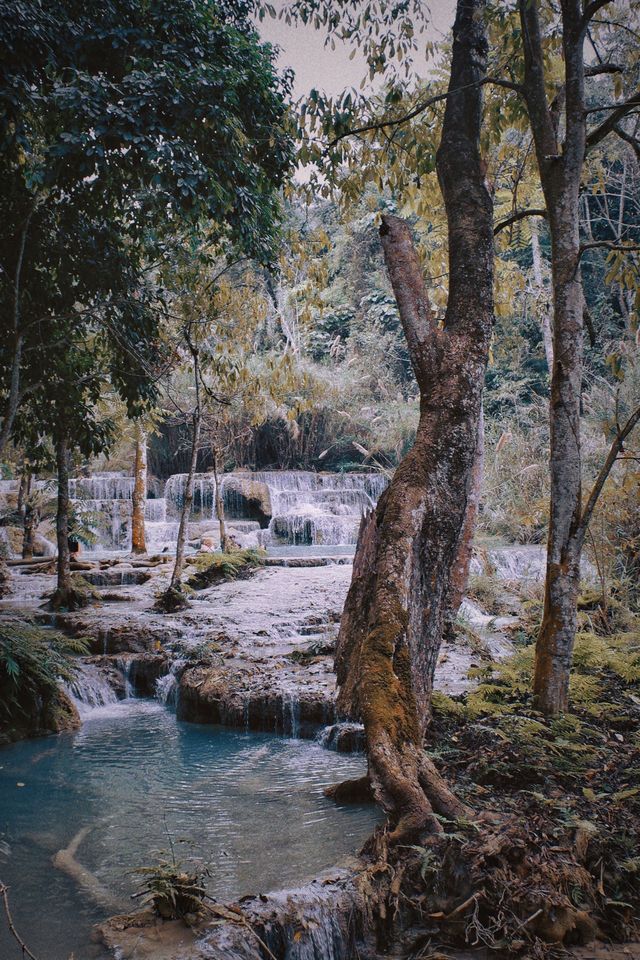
[(215, 567)]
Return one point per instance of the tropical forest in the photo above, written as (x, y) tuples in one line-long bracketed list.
[(320, 480)]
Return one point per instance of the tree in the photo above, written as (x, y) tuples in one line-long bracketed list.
[(112, 123), (139, 498), (397, 605), (560, 165), (119, 129)]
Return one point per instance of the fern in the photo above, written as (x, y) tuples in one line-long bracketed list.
[(33, 662)]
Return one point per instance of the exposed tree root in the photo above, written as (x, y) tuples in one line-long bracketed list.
[(351, 791)]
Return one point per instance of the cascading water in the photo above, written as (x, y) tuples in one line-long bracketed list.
[(278, 507), (89, 689), (318, 508), (167, 686)]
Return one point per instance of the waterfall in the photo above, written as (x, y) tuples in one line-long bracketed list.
[(89, 689), (101, 486), (294, 507), (167, 686)]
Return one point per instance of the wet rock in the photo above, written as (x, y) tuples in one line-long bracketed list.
[(39, 716), (143, 671), (226, 696), (117, 577), (247, 498)]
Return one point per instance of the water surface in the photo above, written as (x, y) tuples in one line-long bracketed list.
[(250, 804)]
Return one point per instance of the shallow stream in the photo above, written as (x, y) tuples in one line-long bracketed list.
[(134, 780)]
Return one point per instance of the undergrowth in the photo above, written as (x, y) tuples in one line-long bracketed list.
[(553, 858), (33, 662)]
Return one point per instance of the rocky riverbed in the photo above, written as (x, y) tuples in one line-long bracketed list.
[(255, 652)]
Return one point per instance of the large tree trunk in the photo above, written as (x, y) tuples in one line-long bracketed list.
[(560, 174), (138, 542), (392, 625)]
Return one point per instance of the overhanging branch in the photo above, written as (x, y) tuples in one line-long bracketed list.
[(420, 108)]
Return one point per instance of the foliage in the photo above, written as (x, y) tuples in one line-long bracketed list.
[(174, 893), (119, 127), (33, 662)]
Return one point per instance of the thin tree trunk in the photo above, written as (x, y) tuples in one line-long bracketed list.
[(224, 543), (62, 520), (30, 523), (138, 542), (560, 174), (13, 399), (176, 577), (395, 613)]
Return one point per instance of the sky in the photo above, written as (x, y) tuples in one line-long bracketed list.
[(316, 65)]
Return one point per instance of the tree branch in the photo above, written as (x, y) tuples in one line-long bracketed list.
[(420, 108), (407, 280), (628, 138), (617, 114), (5, 899), (607, 245), (520, 215), (597, 68), (591, 9), (615, 449)]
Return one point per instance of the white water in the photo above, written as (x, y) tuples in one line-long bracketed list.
[(89, 689), (301, 508)]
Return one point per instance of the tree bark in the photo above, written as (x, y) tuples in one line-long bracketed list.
[(545, 322), (224, 542), (393, 621), (560, 174), (138, 542), (462, 566), (176, 577), (62, 520)]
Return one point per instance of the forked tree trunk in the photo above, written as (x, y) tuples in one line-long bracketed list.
[(138, 541), (63, 589), (395, 613)]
